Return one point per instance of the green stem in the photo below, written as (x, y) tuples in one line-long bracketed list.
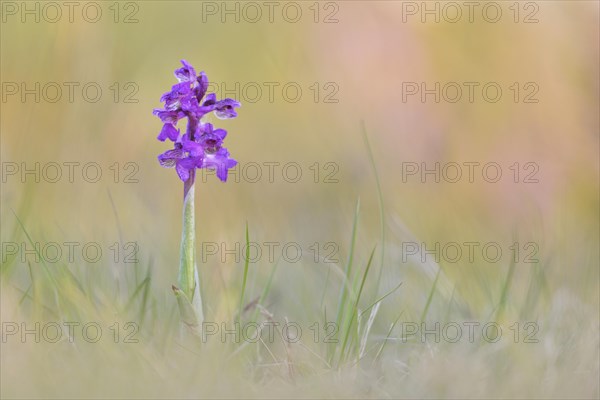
[(189, 281)]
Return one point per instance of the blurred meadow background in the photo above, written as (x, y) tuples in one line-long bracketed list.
[(354, 131)]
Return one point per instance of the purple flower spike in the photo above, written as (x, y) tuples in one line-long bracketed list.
[(201, 145)]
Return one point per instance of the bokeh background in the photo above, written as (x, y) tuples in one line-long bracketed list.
[(351, 60)]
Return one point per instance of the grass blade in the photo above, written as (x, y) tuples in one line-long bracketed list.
[(51, 277), (505, 288), (266, 290), (387, 337), (381, 208), (354, 308), (430, 297), (137, 290), (381, 298), (343, 289), (245, 278)]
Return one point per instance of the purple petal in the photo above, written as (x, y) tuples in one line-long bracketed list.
[(212, 141), (206, 128), (173, 98), (170, 157), (219, 161), (169, 117), (211, 99), (168, 131), (195, 149), (220, 133), (183, 172), (184, 166), (202, 87), (223, 169), (225, 109), (188, 102), (187, 73)]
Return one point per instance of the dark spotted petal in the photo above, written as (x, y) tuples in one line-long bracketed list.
[(225, 109), (210, 100), (169, 117), (170, 157)]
